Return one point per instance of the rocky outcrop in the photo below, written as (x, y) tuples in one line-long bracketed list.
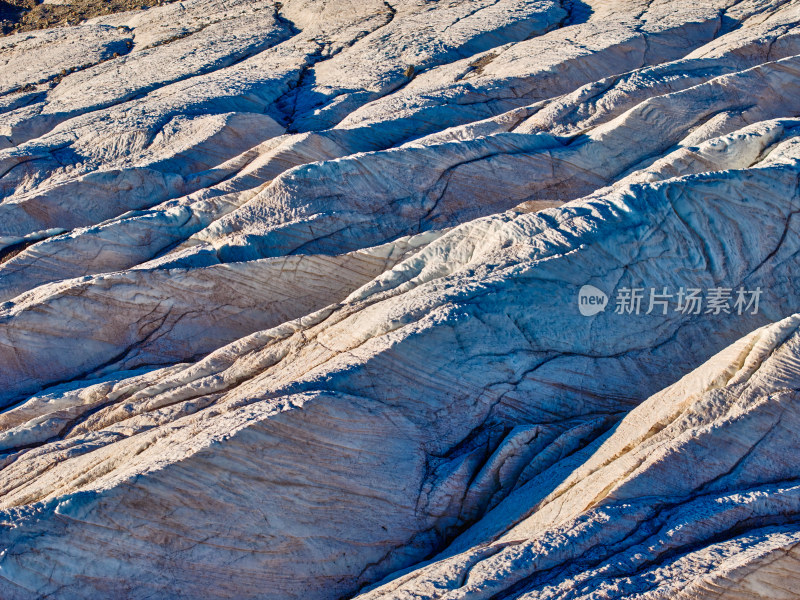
[(290, 301)]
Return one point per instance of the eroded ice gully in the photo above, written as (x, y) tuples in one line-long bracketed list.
[(289, 301)]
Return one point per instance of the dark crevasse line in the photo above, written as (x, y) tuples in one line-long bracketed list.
[(355, 99), (285, 108)]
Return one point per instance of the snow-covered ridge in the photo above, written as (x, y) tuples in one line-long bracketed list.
[(289, 301)]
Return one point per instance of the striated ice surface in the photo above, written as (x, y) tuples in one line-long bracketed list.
[(289, 301)]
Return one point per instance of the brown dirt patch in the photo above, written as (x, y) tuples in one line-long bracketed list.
[(27, 15)]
